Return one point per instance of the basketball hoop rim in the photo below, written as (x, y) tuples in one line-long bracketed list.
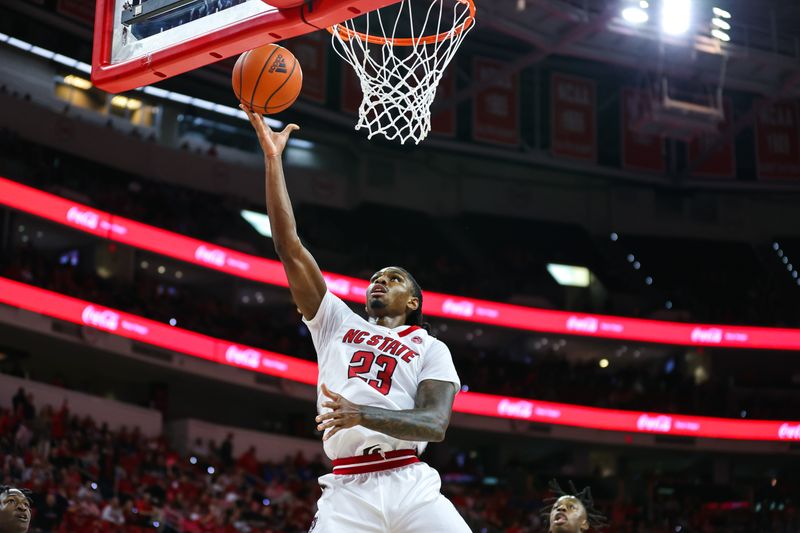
[(347, 34)]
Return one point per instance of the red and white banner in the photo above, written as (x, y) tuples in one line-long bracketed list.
[(721, 161), (443, 122), (640, 151), (82, 10), (224, 352), (573, 117), (136, 234), (778, 141), (351, 94), (311, 50), (495, 110)]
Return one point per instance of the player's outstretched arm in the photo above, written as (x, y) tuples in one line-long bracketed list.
[(305, 278), (426, 422)]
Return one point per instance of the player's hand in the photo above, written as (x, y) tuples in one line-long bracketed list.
[(271, 143), (345, 414)]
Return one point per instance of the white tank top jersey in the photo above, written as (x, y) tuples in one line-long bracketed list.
[(373, 365)]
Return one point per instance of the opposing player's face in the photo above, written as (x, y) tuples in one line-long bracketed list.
[(568, 516), (390, 293), (15, 512)]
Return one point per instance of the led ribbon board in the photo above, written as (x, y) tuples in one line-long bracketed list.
[(220, 351), (143, 236)]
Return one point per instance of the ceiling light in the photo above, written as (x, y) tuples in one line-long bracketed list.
[(721, 12), (721, 35), (259, 221), (676, 16), (119, 101), (719, 23), (635, 15), (77, 81), (570, 276)]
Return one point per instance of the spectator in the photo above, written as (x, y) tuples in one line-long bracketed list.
[(112, 513), (49, 513), (226, 450)]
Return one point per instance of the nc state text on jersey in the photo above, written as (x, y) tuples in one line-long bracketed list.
[(381, 342)]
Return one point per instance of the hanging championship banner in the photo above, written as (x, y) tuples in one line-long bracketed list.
[(495, 110), (351, 90), (778, 141), (720, 161), (640, 151), (311, 51), (573, 131), (443, 121)]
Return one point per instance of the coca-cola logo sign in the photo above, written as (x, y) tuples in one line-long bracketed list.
[(463, 308), (515, 408), (212, 256), (789, 432), (85, 218), (707, 335), (583, 324), (243, 357), (657, 424), (100, 318)]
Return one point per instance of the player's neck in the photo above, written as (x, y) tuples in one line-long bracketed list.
[(389, 321)]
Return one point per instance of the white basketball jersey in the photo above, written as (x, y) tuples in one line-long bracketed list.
[(373, 365)]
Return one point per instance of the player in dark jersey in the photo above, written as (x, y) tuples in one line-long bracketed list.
[(15, 510), (571, 512)]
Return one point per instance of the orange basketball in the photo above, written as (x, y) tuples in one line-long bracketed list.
[(267, 79)]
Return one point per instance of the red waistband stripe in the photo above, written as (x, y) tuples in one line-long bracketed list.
[(374, 462)]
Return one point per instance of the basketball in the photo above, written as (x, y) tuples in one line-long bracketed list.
[(267, 79)]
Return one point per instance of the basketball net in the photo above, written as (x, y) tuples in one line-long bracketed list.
[(400, 74)]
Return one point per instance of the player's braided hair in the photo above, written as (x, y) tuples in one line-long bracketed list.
[(596, 519), (414, 318), (25, 492)]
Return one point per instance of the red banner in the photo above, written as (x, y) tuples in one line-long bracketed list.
[(351, 90), (82, 10), (495, 110), (573, 129), (284, 366), (640, 151), (311, 50), (721, 161), (443, 122), (778, 141), (129, 232)]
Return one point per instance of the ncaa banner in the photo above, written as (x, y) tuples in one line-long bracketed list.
[(443, 121), (495, 110), (82, 10), (573, 131), (312, 52), (640, 151), (778, 141), (351, 94), (721, 161)]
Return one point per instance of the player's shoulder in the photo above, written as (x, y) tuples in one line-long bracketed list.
[(335, 304), (421, 337)]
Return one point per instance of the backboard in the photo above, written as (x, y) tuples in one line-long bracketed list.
[(139, 42)]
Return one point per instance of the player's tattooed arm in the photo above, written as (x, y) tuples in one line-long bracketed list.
[(427, 421)]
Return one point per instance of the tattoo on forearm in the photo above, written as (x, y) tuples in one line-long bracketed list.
[(428, 420)]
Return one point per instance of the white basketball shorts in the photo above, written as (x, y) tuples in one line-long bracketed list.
[(401, 499)]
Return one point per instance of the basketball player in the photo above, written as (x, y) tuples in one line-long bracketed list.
[(386, 387), (571, 512), (15, 510)]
